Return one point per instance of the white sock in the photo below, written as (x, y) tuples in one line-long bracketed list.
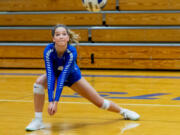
[(38, 115), (121, 110)]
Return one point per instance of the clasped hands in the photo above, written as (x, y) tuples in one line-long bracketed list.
[(52, 107)]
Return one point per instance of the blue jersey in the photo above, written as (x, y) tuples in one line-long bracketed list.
[(63, 68)]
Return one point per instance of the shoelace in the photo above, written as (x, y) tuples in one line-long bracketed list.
[(34, 120), (124, 115)]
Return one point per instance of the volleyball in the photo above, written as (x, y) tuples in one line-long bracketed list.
[(94, 5)]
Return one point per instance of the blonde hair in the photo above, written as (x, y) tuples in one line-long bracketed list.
[(73, 37)]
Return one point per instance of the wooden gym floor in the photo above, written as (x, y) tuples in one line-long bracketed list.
[(155, 95)]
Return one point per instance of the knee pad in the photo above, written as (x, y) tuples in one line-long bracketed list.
[(106, 104), (38, 88)]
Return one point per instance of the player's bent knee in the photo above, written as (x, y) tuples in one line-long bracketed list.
[(38, 88), (41, 79), (106, 104)]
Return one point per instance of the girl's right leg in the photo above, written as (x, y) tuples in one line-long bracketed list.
[(39, 95), (39, 98)]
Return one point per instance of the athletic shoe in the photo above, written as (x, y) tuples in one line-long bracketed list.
[(129, 115), (36, 124)]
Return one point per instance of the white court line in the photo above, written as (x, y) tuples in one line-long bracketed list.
[(155, 105)]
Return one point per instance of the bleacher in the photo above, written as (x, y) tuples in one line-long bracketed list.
[(127, 34)]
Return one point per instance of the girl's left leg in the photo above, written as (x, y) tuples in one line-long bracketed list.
[(83, 88)]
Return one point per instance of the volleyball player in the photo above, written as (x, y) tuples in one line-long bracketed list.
[(60, 62)]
